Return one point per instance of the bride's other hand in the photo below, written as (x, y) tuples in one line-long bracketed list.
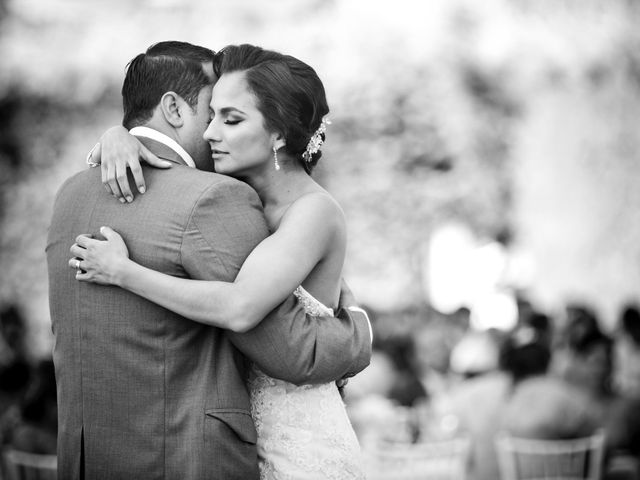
[(117, 151), (100, 261), (341, 384)]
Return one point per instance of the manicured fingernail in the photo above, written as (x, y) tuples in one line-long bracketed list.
[(122, 200), (129, 199), (142, 189)]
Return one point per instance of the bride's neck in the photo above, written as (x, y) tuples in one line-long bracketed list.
[(281, 187), (278, 189)]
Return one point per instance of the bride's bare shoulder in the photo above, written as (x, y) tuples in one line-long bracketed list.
[(318, 208)]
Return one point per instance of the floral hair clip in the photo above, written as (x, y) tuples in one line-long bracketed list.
[(316, 141)]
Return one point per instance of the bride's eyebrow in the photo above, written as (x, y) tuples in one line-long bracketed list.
[(226, 110)]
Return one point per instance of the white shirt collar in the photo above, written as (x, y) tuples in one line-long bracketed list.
[(165, 140)]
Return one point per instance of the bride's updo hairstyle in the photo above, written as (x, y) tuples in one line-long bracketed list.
[(289, 93)]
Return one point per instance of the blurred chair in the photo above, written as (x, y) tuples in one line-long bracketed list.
[(427, 460), (533, 459), (29, 466)]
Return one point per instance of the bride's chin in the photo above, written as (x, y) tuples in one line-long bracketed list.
[(219, 166), (223, 169)]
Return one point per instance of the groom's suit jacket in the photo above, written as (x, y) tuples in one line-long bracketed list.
[(143, 392)]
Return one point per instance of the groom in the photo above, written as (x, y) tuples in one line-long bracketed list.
[(142, 392)]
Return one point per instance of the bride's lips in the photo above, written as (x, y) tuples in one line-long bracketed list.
[(217, 153)]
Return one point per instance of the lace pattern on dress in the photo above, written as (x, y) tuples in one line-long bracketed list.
[(311, 305), (303, 431)]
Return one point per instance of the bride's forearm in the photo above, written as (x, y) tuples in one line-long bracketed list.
[(219, 304)]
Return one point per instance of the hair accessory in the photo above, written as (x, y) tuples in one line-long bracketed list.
[(275, 158), (316, 141)]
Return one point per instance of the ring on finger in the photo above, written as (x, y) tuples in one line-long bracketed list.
[(77, 265)]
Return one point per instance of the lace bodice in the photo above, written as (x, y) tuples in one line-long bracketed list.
[(303, 431)]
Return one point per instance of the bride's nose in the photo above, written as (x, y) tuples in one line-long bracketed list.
[(212, 133)]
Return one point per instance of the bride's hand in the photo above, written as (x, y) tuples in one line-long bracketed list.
[(118, 150), (100, 261)]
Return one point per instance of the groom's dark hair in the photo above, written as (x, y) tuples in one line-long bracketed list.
[(165, 66)]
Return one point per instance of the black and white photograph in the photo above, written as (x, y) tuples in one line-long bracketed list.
[(320, 240)]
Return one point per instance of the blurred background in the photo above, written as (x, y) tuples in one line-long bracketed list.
[(486, 154)]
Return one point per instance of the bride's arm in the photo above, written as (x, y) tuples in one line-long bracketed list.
[(116, 151), (268, 276)]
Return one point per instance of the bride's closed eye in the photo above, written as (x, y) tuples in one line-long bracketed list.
[(232, 122)]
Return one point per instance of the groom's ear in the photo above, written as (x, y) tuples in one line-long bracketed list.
[(170, 105)]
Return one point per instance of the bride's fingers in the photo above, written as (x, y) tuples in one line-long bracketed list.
[(113, 184), (105, 183), (341, 383), (138, 177), (123, 180), (104, 170), (152, 159)]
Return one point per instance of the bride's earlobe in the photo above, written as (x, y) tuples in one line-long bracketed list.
[(279, 141)]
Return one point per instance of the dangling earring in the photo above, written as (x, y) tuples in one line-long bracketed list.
[(275, 158)]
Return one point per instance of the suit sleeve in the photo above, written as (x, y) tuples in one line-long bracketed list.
[(225, 226)]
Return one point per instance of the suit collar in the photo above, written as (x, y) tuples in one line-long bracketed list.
[(162, 146)]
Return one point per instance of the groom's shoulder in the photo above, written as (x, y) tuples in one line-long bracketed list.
[(192, 183), (81, 180), (179, 184)]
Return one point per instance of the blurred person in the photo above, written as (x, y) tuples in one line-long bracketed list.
[(475, 354), (545, 406), (381, 399), (406, 389), (622, 422), (524, 305), (376, 417), (542, 325), (15, 369), (37, 428), (627, 352), (479, 402), (588, 357), (13, 334), (430, 352), (146, 392), (549, 408), (584, 356)]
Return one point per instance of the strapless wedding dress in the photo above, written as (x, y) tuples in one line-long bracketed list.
[(303, 431)]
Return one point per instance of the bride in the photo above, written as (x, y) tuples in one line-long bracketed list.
[(267, 123)]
